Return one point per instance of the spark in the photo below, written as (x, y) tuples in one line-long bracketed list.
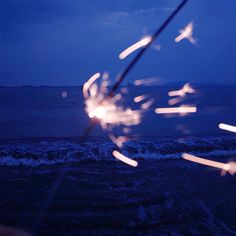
[(118, 140), (89, 83), (64, 94), (99, 112), (147, 81), (140, 98), (143, 42), (108, 110), (230, 128), (147, 104), (181, 109), (175, 100), (125, 159), (187, 33), (183, 91), (225, 167)]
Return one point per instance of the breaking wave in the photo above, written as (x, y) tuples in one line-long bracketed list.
[(35, 152)]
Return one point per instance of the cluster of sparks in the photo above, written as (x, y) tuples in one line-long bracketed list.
[(111, 113)]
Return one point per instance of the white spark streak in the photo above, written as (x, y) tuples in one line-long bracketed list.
[(147, 81), (147, 104), (183, 91), (181, 109), (140, 98), (187, 33), (118, 140), (134, 47), (125, 159), (230, 128), (175, 100), (87, 84), (225, 167)]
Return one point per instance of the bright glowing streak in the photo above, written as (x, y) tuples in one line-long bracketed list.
[(148, 81), (225, 167), (87, 84), (230, 128), (174, 101), (182, 92), (140, 98), (187, 33), (181, 109), (125, 159), (134, 47), (108, 110), (119, 140), (147, 104), (98, 112)]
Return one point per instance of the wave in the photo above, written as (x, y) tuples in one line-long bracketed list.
[(48, 152)]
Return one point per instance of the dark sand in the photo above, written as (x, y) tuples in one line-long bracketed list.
[(169, 197)]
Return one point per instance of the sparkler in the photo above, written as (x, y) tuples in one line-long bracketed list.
[(225, 167), (230, 128), (187, 33), (108, 110), (120, 78)]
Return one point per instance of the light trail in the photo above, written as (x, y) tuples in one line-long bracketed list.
[(181, 109), (230, 128), (87, 84), (124, 159), (182, 92), (118, 141), (140, 98), (186, 33), (143, 42), (147, 104), (108, 110), (175, 100), (147, 81), (225, 167)]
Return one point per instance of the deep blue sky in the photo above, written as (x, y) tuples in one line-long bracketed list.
[(61, 42)]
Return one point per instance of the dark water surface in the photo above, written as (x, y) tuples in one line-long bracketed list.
[(43, 112)]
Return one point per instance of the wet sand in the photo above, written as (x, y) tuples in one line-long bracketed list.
[(166, 197)]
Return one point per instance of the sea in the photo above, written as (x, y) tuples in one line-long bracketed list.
[(40, 130)]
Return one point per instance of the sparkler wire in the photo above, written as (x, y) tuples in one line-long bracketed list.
[(120, 78)]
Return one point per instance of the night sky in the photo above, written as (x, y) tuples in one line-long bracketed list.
[(61, 42)]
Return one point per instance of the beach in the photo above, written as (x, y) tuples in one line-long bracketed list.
[(165, 197)]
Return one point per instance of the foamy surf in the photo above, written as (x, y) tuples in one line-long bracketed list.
[(38, 152)]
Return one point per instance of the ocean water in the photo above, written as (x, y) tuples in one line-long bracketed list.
[(40, 130), (42, 125)]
